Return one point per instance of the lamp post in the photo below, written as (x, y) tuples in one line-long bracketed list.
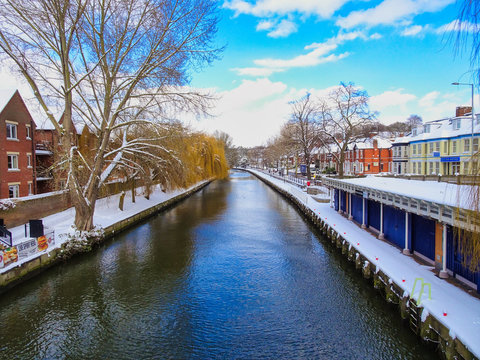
[(471, 145)]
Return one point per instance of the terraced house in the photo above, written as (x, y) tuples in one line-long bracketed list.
[(439, 147)]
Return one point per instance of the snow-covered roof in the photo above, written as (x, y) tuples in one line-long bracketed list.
[(5, 96), (367, 143), (442, 129), (433, 191)]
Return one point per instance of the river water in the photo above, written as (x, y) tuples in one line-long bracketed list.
[(233, 272)]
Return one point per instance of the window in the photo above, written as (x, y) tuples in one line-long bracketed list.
[(455, 168), (414, 149), (28, 132), (29, 160), (466, 145), (361, 167), (445, 147), (12, 162), (431, 147), (437, 146), (475, 144), (454, 147), (426, 128), (414, 168), (11, 131), (30, 188), (13, 190), (456, 124), (430, 168)]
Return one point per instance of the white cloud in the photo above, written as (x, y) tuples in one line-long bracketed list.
[(412, 30), (268, 8), (320, 53), (456, 25), (390, 98), (391, 12), (252, 112), (283, 29), (265, 25), (256, 71)]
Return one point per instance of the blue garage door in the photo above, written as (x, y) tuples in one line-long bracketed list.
[(343, 202), (455, 260), (423, 236), (373, 214), (394, 225), (357, 207), (336, 199)]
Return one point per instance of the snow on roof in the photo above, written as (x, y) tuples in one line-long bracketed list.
[(442, 129), (367, 143), (5, 96), (433, 191)]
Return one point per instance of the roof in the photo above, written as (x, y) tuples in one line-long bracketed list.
[(442, 129)]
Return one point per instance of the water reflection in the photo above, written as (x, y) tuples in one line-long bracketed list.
[(232, 272)]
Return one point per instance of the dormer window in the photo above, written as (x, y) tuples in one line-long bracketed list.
[(456, 124), (426, 128), (414, 132)]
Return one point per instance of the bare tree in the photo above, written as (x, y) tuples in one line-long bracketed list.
[(303, 127), (344, 114), (231, 153), (413, 121), (111, 65)]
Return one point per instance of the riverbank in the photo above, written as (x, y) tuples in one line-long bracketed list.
[(448, 315), (108, 220)]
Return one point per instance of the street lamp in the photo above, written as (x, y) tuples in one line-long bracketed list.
[(457, 83)]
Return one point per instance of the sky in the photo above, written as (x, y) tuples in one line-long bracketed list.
[(402, 52)]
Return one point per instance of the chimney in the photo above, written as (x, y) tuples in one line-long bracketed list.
[(375, 143), (462, 110)]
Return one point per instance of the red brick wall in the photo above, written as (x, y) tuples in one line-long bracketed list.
[(16, 111)]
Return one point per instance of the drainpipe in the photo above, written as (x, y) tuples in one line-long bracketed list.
[(406, 251), (339, 201), (443, 273), (381, 235), (350, 217), (363, 214)]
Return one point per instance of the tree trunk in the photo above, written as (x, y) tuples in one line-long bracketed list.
[(83, 215), (340, 164)]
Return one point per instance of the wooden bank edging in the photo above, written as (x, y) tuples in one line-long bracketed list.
[(428, 328), (41, 263)]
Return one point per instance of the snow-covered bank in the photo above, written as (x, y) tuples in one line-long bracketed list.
[(107, 214), (451, 306)]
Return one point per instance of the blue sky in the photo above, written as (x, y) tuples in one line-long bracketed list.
[(400, 51)]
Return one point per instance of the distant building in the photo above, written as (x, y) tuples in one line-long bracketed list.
[(440, 147), (368, 156)]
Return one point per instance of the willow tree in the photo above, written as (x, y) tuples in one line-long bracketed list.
[(467, 233), (109, 65)]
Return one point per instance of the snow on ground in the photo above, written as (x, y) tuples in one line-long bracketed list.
[(462, 310), (106, 213), (434, 191)]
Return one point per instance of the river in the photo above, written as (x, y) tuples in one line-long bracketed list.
[(233, 272)]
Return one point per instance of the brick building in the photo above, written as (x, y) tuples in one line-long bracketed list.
[(368, 156), (17, 151)]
